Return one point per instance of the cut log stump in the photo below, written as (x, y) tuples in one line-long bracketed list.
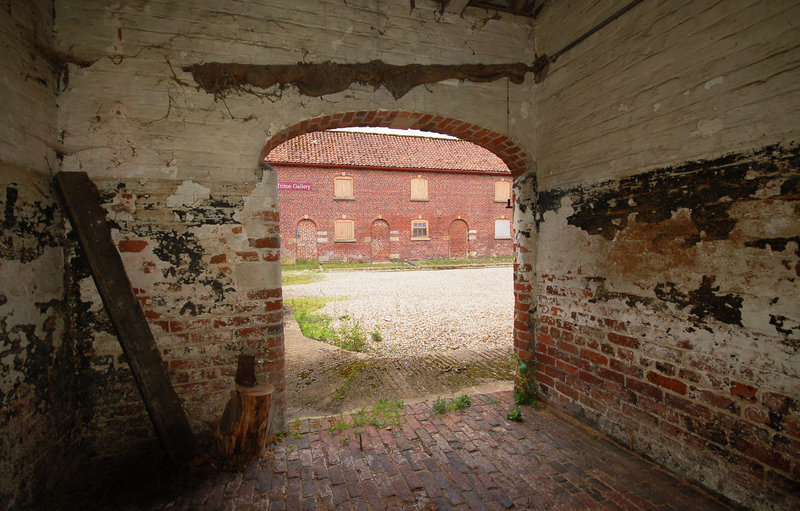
[(245, 421)]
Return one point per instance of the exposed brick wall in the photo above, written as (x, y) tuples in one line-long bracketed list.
[(40, 369), (203, 262), (384, 195), (675, 328), (665, 303)]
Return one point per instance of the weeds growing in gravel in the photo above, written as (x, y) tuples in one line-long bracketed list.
[(313, 324), (352, 336)]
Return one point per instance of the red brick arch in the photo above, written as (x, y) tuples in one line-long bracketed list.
[(505, 148)]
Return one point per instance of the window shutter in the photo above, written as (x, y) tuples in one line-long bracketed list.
[(343, 187), (419, 189), (502, 229), (502, 191), (344, 230)]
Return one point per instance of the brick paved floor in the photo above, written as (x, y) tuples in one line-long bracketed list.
[(469, 459)]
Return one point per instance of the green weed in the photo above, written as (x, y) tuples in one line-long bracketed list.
[(462, 402), (383, 414), (515, 414), (352, 336), (313, 324), (442, 405)]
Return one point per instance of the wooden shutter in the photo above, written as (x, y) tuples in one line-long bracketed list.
[(419, 189), (343, 187), (344, 230), (502, 191)]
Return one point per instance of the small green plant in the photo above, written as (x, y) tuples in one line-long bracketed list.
[(376, 334), (294, 428), (384, 413), (462, 402), (515, 414), (339, 426), (352, 336), (525, 387), (442, 405)]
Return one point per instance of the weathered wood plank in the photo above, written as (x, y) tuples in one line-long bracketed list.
[(81, 201)]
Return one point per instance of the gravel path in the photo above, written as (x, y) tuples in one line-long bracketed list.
[(421, 311)]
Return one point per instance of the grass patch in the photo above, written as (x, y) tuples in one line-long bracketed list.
[(383, 414), (355, 264), (301, 265), (313, 324), (462, 262), (294, 279), (442, 405)]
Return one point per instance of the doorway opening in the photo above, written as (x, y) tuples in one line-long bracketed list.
[(413, 317)]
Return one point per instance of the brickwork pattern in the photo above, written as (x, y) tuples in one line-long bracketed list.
[(501, 145), (474, 459), (643, 335), (385, 195)]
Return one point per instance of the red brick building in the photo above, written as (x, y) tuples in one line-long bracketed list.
[(348, 196)]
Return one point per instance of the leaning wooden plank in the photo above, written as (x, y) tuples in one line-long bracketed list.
[(82, 203)]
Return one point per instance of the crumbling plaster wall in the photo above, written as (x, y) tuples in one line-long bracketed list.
[(195, 217), (38, 371), (667, 279)]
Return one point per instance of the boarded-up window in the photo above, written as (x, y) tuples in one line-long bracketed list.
[(502, 191), (419, 189), (502, 229), (419, 230), (344, 230), (343, 187)]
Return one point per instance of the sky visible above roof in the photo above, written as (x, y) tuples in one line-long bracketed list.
[(383, 150), (392, 131)]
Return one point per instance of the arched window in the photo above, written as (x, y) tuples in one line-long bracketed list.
[(344, 230), (343, 187)]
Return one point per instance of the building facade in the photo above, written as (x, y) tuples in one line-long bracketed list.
[(349, 196)]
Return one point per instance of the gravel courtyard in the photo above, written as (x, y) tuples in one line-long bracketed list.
[(423, 310)]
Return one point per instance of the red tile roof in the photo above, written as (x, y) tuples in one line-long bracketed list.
[(385, 151)]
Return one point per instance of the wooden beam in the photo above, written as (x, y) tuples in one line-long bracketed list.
[(81, 201)]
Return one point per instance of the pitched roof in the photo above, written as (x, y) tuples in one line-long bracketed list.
[(385, 151)]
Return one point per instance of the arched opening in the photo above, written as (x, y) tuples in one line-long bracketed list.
[(379, 235), (306, 241), (458, 234), (379, 240)]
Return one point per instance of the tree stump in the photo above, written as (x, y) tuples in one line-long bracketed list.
[(245, 421)]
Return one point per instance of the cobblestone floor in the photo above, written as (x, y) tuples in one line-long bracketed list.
[(469, 459)]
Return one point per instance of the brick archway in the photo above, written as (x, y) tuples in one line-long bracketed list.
[(501, 145), (505, 148)]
